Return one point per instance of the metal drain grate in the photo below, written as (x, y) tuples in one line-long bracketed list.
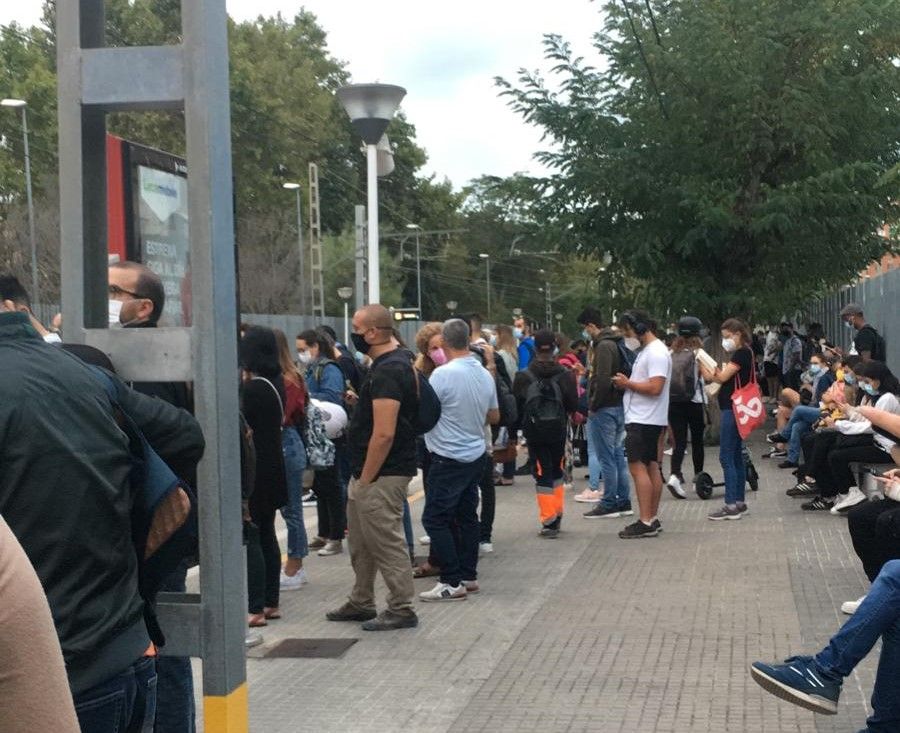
[(310, 648)]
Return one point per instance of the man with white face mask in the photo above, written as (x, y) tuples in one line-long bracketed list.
[(136, 295)]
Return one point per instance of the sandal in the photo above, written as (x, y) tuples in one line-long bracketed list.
[(425, 571), (256, 620), (272, 614)]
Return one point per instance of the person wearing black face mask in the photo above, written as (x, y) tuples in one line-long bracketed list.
[(382, 444)]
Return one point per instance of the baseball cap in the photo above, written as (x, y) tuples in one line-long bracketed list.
[(851, 309), (544, 340)]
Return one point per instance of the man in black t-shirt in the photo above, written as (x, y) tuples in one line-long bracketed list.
[(382, 444), (867, 342)]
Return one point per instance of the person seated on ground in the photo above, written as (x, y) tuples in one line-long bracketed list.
[(816, 444), (814, 682), (857, 442), (803, 417)]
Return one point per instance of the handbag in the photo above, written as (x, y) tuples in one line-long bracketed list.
[(746, 400)]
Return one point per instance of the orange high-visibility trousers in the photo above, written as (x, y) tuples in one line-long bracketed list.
[(548, 475)]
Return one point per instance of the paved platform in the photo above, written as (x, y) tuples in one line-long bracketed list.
[(587, 632)]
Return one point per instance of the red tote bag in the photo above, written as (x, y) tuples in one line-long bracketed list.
[(746, 400)]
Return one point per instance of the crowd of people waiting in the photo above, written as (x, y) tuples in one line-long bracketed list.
[(356, 426)]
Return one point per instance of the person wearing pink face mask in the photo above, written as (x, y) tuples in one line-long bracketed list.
[(430, 347)]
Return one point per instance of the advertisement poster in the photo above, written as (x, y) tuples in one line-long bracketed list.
[(162, 237)]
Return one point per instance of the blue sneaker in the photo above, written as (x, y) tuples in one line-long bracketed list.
[(799, 681)]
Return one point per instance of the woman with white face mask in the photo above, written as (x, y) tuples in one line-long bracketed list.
[(736, 373)]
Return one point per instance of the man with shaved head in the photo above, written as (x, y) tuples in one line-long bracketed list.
[(382, 445)]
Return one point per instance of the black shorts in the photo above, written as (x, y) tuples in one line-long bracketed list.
[(642, 443), (771, 369)]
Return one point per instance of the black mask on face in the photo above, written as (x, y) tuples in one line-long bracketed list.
[(360, 343)]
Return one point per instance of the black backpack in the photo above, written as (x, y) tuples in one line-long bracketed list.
[(627, 357), (684, 378), (429, 407), (545, 417)]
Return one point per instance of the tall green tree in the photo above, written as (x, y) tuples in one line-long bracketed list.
[(733, 158)]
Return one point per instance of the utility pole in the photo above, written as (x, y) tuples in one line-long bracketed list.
[(315, 245), (359, 289), (548, 306)]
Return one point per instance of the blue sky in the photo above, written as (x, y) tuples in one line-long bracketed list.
[(446, 55)]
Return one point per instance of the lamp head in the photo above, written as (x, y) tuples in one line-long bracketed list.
[(13, 103), (290, 186), (345, 293), (370, 107)]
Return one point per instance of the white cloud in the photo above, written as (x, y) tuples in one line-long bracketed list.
[(446, 55)]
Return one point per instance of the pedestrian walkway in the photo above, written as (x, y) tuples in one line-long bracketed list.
[(587, 632)]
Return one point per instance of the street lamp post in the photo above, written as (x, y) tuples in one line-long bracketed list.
[(487, 260), (345, 294), (371, 107), (418, 268), (296, 188), (22, 104)]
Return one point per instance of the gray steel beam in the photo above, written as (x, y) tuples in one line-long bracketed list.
[(133, 78), (146, 354), (211, 226)]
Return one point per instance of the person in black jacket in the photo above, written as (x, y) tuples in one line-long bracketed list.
[(66, 493), (547, 438), (262, 403)]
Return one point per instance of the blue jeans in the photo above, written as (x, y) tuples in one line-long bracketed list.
[(606, 441), (407, 527), (175, 709), (802, 419), (125, 703), (877, 616), (453, 498), (294, 465), (731, 456)]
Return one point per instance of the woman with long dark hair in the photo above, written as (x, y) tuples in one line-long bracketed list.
[(736, 341), (262, 402)]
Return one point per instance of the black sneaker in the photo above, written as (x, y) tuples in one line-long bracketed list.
[(819, 504), (601, 511), (803, 489), (549, 533), (638, 530), (351, 612), (389, 621), (787, 464), (524, 469), (775, 453), (776, 438), (657, 525)]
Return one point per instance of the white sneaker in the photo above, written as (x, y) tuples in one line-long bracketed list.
[(675, 487), (332, 547), (849, 607), (668, 451), (589, 496), (424, 540), (444, 592), (293, 582), (485, 548), (848, 501)]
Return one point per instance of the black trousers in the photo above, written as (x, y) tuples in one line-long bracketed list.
[(488, 500), (330, 503), (875, 531), (684, 416), (846, 452), (263, 564)]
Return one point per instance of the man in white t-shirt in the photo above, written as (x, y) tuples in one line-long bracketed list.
[(646, 417)]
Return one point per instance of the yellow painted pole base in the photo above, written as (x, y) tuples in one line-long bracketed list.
[(226, 713)]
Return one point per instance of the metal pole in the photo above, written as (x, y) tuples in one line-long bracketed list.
[(359, 288), (418, 275), (300, 254), (487, 261), (346, 322), (374, 273), (35, 294), (548, 308)]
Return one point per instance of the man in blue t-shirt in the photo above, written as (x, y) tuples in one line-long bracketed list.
[(468, 402), (522, 332)]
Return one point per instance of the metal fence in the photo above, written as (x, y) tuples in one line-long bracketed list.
[(879, 298)]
